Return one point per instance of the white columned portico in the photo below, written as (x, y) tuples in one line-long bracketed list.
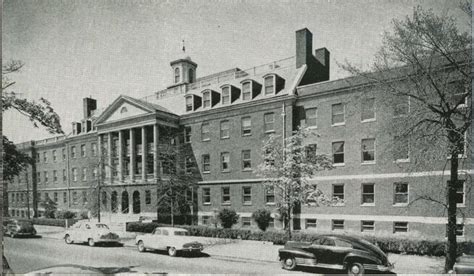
[(144, 151), (120, 155), (132, 154), (156, 137), (109, 156)]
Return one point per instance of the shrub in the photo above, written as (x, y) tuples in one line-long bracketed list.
[(84, 215), (228, 217), (52, 222), (262, 217), (65, 214), (49, 207)]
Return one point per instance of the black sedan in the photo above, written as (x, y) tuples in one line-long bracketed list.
[(18, 227), (354, 255)]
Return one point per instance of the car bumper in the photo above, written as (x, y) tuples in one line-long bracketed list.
[(191, 249), (381, 268), (108, 240)]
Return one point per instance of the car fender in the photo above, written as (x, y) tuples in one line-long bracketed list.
[(361, 258), (282, 253)]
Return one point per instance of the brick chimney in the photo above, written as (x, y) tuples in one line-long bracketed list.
[(318, 65), (89, 105), (304, 47)]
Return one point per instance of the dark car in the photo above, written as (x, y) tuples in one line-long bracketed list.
[(16, 227), (465, 263), (354, 255)]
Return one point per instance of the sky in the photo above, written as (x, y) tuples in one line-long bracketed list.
[(104, 48)]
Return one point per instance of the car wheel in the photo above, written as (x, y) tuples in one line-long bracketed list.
[(355, 269), (288, 263), (141, 246), (12, 234), (68, 239), (172, 251), (91, 242)]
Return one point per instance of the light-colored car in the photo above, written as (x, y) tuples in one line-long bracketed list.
[(172, 239), (89, 232)]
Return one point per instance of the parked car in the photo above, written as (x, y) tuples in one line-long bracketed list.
[(172, 239), (354, 255), (465, 263), (17, 227), (89, 232)]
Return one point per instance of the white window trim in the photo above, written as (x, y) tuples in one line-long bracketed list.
[(394, 204), (192, 103), (274, 85), (243, 196), (370, 162), (362, 195), (242, 126), (228, 130), (401, 233), (204, 93), (210, 198), (362, 227), (251, 89), (222, 162), (209, 131), (264, 123), (463, 204), (344, 113), (222, 196), (343, 203), (403, 115), (222, 94), (375, 113)]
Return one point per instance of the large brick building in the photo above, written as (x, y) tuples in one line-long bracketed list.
[(220, 122)]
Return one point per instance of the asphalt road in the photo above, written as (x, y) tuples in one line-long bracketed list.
[(29, 254)]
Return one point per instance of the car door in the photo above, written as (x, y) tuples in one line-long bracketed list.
[(164, 239), (340, 250), (12, 226), (317, 249), (326, 250), (74, 232), (153, 240)]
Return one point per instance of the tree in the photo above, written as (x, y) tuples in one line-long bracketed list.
[(262, 217), (228, 217), (287, 170), (423, 69), (50, 207)]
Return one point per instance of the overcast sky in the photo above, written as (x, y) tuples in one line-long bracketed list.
[(103, 48)]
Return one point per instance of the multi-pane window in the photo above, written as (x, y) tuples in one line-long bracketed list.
[(401, 149), (459, 230), (55, 176), (269, 122), (64, 153), (459, 192), (400, 227), (74, 197), (367, 226), (225, 193), (247, 195), (176, 75), (94, 149), (55, 197), (269, 195), (74, 174), (54, 156), (246, 221), (84, 197), (225, 95), (206, 101), (401, 106), (310, 223), (147, 197), (73, 152), (269, 85), (225, 129), (338, 192), (188, 164), (189, 103), (46, 177), (368, 193), (64, 197), (187, 134), (338, 152), (83, 150), (368, 109), (225, 161), (64, 175), (338, 117), (368, 150), (94, 173), (38, 177), (206, 220), (311, 117), (246, 92), (246, 160), (246, 126), (84, 174), (38, 157), (206, 163), (400, 193), (205, 132), (45, 157), (206, 196), (337, 224)]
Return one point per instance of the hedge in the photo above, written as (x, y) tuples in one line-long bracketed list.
[(387, 244), (52, 222)]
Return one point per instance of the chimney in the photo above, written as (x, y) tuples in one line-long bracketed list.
[(89, 105), (322, 56), (304, 47)]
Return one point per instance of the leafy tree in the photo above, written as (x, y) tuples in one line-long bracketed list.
[(262, 217), (228, 217), (425, 64), (50, 207), (288, 168), (14, 161)]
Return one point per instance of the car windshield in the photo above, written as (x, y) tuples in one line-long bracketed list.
[(102, 226), (180, 233)]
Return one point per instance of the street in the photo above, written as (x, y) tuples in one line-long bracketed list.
[(29, 254)]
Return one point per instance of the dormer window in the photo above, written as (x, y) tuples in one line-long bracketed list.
[(225, 95), (273, 84), (270, 85), (189, 103), (176, 75), (246, 91), (206, 99)]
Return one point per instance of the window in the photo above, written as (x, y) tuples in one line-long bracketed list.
[(338, 152), (246, 222), (368, 110), (338, 192), (83, 150), (191, 75), (55, 176), (94, 149), (225, 195), (55, 197), (246, 160), (147, 197), (269, 85), (45, 157), (123, 110), (54, 156), (189, 103), (367, 226), (246, 92), (338, 114), (206, 220), (337, 224), (310, 223), (400, 194), (22, 197), (94, 173), (206, 196), (46, 177), (401, 106), (206, 163), (311, 117), (84, 174), (246, 126), (269, 195), (247, 195), (225, 95), (310, 151), (401, 151), (187, 134), (74, 174), (84, 197), (225, 161), (459, 230), (38, 177), (269, 122), (64, 197), (225, 126), (64, 175), (176, 75), (400, 227), (38, 157), (64, 154), (74, 197), (73, 152), (206, 101), (368, 150), (205, 129), (368, 194), (188, 164)]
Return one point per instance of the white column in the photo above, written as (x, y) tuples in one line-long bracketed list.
[(156, 136), (132, 154), (143, 154), (120, 155), (109, 156)]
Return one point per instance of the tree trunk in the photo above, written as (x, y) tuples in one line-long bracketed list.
[(288, 222), (451, 244)]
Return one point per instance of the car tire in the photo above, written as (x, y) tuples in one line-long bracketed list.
[(355, 269), (141, 246), (12, 235), (91, 242), (172, 251), (288, 263), (67, 239)]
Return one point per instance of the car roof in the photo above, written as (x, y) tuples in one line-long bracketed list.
[(171, 228)]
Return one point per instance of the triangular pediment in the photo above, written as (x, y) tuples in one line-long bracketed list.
[(121, 109)]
